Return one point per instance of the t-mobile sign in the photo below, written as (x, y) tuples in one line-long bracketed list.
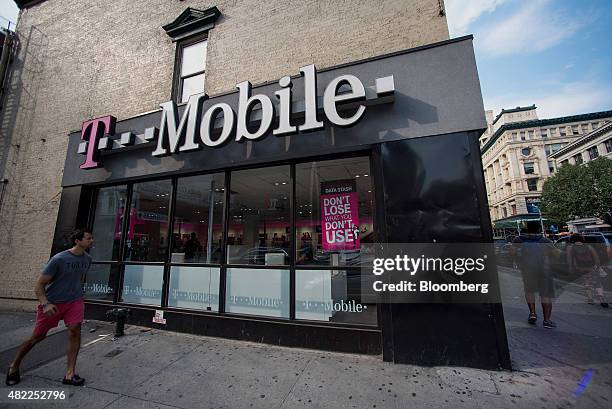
[(339, 215)]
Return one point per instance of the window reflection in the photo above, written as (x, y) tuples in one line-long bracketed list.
[(259, 229), (198, 226), (110, 206), (148, 222)]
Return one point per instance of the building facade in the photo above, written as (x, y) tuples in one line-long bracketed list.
[(591, 146), (517, 154), (209, 147)]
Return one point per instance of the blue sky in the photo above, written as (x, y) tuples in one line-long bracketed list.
[(554, 53), (8, 12)]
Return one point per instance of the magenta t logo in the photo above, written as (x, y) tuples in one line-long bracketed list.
[(91, 131)]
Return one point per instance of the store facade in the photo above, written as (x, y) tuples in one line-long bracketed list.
[(243, 215)]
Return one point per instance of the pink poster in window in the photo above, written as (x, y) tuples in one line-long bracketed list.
[(339, 215)]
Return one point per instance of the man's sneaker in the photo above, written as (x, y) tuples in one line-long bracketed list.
[(549, 324), (532, 319)]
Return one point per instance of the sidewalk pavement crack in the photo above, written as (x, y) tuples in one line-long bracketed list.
[(121, 395), (497, 392), (555, 359), (111, 402), (295, 383)]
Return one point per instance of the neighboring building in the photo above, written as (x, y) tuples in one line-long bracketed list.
[(214, 208), (591, 146), (517, 151)]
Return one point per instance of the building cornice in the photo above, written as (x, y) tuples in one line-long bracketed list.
[(543, 122), (513, 110), (583, 140)]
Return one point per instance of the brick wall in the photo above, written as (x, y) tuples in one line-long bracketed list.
[(82, 59)]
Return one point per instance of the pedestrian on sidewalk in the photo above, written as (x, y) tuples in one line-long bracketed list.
[(59, 290), (583, 260), (533, 253)]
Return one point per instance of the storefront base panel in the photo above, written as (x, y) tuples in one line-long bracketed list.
[(290, 334)]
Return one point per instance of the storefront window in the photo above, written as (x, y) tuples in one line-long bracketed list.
[(148, 222), (333, 296), (259, 228), (334, 211), (142, 284), (258, 292), (100, 282), (194, 288), (198, 220), (110, 207)]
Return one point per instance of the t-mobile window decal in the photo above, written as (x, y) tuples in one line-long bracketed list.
[(339, 215)]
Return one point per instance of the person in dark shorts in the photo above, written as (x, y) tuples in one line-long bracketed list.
[(584, 261), (59, 290), (533, 252)]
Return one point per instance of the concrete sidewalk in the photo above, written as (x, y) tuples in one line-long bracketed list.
[(159, 369)]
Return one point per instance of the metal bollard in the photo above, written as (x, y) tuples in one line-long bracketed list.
[(120, 316)]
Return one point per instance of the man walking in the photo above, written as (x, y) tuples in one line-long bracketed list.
[(59, 290), (533, 252)]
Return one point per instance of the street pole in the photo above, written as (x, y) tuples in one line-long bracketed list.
[(541, 222)]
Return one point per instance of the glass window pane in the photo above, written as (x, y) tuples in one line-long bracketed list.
[(198, 226), (106, 231), (148, 222), (335, 207), (259, 216), (258, 292), (333, 296), (191, 86), (194, 287), (194, 58), (100, 282), (142, 284)]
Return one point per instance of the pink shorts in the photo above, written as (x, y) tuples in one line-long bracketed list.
[(71, 312)]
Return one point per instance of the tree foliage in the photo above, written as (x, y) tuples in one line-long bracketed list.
[(578, 191)]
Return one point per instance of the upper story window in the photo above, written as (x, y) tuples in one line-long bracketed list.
[(190, 32), (562, 131), (608, 145), (593, 153), (192, 70), (578, 159)]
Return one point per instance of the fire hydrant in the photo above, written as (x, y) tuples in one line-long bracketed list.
[(120, 316)]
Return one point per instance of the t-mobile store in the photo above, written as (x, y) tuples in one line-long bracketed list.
[(243, 215)]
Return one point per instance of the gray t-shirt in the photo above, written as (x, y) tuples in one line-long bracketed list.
[(67, 271)]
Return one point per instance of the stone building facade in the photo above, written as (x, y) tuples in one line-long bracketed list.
[(517, 151), (80, 59), (591, 146)]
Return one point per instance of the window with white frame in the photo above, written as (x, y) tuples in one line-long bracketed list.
[(192, 69)]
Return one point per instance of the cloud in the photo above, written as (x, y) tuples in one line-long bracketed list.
[(461, 13), (566, 99), (536, 26)]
